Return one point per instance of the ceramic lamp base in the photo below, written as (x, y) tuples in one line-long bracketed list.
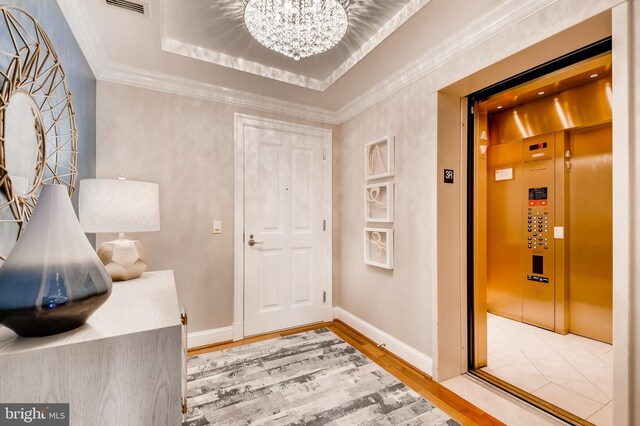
[(124, 259)]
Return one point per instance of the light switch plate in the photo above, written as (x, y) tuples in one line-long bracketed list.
[(558, 232), (217, 227)]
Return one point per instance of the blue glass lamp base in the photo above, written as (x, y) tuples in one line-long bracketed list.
[(52, 280), (30, 322)]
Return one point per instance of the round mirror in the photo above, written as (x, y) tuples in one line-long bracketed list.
[(23, 144), (38, 134), (9, 229)]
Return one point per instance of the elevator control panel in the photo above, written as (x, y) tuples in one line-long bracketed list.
[(538, 219), (538, 259)]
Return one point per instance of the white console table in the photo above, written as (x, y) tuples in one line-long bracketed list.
[(123, 367)]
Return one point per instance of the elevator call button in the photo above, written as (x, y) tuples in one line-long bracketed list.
[(538, 219)]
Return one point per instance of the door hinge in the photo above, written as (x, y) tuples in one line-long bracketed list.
[(324, 154), (184, 319), (324, 225), (324, 297), (472, 110), (184, 406)]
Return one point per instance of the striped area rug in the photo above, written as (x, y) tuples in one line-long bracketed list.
[(311, 378)]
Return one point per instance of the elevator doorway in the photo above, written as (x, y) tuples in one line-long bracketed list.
[(541, 325)]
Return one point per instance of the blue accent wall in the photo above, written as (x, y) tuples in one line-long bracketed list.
[(80, 77)]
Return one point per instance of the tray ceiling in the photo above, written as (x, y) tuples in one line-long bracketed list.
[(214, 31), (201, 49)]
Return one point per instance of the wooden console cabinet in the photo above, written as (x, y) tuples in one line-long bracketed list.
[(123, 367)]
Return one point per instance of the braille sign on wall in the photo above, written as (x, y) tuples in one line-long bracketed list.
[(448, 176)]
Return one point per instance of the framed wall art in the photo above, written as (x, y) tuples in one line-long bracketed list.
[(379, 158), (378, 202), (378, 247)]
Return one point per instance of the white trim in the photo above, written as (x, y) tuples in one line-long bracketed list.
[(209, 337), (488, 26), (492, 23), (238, 229), (328, 233), (624, 331), (85, 34), (204, 54), (393, 24), (623, 139), (241, 121), (407, 353), (201, 53), (238, 331), (139, 77)]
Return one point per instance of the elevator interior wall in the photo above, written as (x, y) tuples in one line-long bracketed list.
[(544, 168)]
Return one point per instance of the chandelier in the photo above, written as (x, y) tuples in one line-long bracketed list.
[(297, 28)]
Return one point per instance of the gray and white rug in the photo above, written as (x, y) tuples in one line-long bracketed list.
[(311, 378)]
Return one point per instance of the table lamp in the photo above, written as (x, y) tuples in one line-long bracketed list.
[(119, 205)]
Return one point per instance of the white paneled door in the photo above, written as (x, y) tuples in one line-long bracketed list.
[(284, 236)]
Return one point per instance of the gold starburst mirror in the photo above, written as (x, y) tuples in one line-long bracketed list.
[(38, 135)]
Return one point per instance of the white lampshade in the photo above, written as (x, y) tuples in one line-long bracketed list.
[(111, 205)]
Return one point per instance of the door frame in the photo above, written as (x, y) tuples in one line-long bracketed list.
[(449, 249), (477, 292), (240, 122)]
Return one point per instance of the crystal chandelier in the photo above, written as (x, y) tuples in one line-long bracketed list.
[(297, 28)]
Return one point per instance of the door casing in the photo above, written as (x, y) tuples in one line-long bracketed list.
[(241, 121), (450, 326)]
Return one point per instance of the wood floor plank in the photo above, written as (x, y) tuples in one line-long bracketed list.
[(452, 404)]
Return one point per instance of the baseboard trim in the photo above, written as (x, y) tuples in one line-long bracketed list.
[(328, 314), (402, 350), (209, 337), (238, 331)]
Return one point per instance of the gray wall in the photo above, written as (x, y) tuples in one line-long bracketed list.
[(186, 146), (80, 77)]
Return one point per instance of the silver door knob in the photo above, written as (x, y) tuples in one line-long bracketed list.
[(253, 242)]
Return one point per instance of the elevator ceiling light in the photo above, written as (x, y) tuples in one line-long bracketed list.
[(297, 28), (594, 75), (499, 106), (540, 93)]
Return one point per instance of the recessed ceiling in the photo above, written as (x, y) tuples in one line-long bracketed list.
[(201, 48), (214, 31), (579, 74)]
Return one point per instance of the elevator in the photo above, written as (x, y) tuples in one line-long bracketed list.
[(546, 191), (540, 240), (543, 204)]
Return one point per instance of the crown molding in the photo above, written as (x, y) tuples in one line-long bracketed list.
[(138, 77), (86, 35), (457, 44), (489, 25), (208, 55), (105, 70), (197, 52), (393, 24)]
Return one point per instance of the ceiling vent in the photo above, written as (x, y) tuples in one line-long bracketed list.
[(132, 6)]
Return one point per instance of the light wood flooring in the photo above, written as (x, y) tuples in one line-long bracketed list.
[(458, 408)]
